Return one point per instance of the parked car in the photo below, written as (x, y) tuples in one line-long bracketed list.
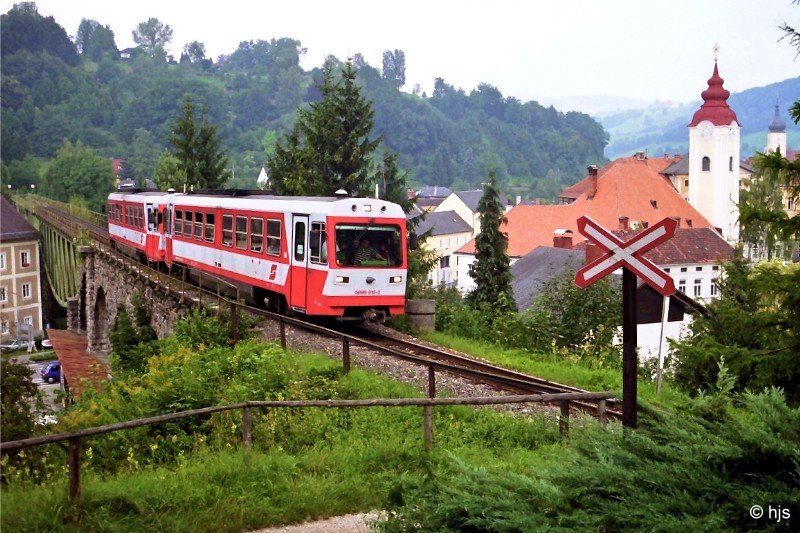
[(51, 373), (12, 346)]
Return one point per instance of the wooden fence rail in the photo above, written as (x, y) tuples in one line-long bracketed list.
[(74, 438)]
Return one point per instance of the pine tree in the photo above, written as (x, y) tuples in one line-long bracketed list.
[(329, 147), (198, 149), (491, 269)]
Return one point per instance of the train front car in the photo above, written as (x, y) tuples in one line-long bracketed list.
[(364, 240), (136, 223)]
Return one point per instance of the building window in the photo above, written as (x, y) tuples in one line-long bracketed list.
[(706, 164), (698, 269), (666, 270), (730, 164), (4, 327), (25, 258), (713, 287), (715, 267), (789, 206), (682, 286), (3, 294), (685, 183), (444, 262), (26, 291), (697, 287), (684, 269), (2, 261), (28, 320)]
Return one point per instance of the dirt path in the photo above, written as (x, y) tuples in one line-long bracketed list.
[(351, 523)]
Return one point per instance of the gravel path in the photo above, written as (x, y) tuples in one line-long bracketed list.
[(351, 523)]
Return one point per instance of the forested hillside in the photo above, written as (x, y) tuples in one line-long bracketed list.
[(661, 129), (54, 89)]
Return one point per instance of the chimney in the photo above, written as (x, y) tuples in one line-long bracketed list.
[(623, 223), (519, 200), (592, 169), (562, 238), (640, 155), (593, 252), (688, 222)]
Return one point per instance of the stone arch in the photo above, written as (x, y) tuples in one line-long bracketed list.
[(98, 340)]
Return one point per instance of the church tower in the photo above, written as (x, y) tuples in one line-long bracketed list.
[(714, 159), (776, 138)]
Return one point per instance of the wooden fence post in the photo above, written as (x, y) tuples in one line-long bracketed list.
[(427, 426), (346, 354), (431, 380), (601, 412), (74, 464), (563, 420), (247, 434), (282, 326)]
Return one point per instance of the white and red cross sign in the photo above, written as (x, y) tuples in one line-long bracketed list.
[(629, 254)]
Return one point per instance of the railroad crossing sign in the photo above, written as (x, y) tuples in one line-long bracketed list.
[(628, 254)]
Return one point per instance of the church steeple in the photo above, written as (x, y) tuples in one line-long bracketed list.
[(713, 185), (777, 125), (715, 108), (776, 138)]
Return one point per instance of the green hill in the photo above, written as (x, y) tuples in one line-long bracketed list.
[(124, 108)]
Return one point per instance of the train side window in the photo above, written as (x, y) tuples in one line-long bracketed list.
[(318, 244), (241, 233), (227, 230), (198, 226), (151, 219), (178, 222), (299, 240), (256, 234), (209, 227), (188, 217), (273, 237)]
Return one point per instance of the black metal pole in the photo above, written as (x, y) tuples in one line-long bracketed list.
[(629, 359)]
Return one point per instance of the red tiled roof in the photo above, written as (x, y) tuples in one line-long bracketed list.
[(628, 187), (13, 226), (658, 164), (691, 245), (79, 368)]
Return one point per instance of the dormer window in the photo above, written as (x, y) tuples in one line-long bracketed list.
[(706, 165)]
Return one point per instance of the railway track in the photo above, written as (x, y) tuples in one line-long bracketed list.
[(475, 369), (435, 358)]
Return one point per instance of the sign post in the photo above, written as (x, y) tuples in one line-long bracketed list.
[(630, 256)]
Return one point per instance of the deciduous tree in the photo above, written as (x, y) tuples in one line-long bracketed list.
[(78, 172), (153, 36)]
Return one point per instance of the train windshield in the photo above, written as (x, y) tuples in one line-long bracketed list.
[(372, 245)]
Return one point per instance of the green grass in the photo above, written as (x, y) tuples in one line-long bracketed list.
[(550, 367), (41, 355)]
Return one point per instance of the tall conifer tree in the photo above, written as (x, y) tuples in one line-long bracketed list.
[(491, 269), (198, 149)]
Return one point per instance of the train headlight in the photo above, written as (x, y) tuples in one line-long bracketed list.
[(396, 279), (342, 279)]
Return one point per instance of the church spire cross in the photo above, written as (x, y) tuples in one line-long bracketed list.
[(716, 52)]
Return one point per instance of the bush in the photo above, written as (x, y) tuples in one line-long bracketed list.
[(697, 470)]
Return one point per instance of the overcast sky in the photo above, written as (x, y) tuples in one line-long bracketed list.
[(529, 49)]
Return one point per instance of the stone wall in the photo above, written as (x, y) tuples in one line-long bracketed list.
[(107, 286)]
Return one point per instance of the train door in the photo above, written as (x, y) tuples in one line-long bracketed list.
[(299, 262), (151, 239), (168, 232)]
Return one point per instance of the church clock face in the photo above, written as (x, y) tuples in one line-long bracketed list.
[(732, 131), (705, 130)]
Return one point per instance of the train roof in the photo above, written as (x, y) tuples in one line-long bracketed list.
[(270, 202)]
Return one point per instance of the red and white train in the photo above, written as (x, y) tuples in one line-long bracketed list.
[(338, 257)]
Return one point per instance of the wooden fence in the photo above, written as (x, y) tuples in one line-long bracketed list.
[(74, 438)]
